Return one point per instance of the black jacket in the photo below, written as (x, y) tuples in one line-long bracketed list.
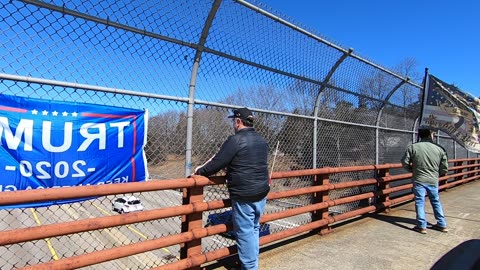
[(245, 155)]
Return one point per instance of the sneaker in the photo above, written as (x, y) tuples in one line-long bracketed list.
[(440, 228), (420, 230)]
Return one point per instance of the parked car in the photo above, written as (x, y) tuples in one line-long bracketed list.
[(127, 204)]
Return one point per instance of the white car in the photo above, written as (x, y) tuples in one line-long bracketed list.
[(127, 204)]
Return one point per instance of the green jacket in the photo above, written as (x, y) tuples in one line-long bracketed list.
[(426, 160)]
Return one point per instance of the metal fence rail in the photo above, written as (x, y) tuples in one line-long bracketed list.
[(189, 63), (197, 238)]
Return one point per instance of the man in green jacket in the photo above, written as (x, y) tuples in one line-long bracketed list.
[(427, 161)]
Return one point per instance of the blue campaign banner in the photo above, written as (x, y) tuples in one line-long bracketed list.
[(48, 144)]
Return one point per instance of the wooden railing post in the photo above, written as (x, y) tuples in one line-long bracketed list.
[(190, 222), (319, 197), (382, 185)]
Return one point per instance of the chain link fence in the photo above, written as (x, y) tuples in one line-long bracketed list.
[(189, 63)]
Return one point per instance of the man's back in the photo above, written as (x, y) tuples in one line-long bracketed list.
[(428, 161), (247, 173)]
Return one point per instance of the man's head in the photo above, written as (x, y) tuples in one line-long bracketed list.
[(242, 117), (424, 133)]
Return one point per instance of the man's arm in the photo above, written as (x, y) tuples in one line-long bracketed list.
[(406, 160), (218, 162), (443, 170)]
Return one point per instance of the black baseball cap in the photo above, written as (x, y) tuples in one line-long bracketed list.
[(424, 129), (243, 113)]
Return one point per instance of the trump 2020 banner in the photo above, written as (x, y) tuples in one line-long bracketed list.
[(48, 144), (452, 111)]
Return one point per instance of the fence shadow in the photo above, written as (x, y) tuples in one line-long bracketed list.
[(465, 256), (232, 262), (394, 220)]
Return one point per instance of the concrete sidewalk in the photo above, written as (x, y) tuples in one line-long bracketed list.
[(386, 241)]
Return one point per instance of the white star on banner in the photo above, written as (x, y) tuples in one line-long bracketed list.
[(54, 113)]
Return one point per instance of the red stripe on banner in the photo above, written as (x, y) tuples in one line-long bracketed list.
[(106, 115), (134, 170), (134, 134), (134, 167), (11, 109)]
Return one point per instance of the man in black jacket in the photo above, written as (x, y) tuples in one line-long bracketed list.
[(245, 155)]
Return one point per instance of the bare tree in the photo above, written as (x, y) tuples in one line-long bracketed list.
[(375, 87), (410, 95), (301, 97), (161, 136), (265, 97), (408, 67), (210, 130)]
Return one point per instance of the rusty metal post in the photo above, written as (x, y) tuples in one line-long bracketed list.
[(191, 222), (476, 161), (455, 164), (383, 185), (471, 162), (319, 197)]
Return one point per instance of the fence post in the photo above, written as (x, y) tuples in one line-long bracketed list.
[(471, 162), (382, 185), (319, 197), (476, 161), (190, 222), (455, 164)]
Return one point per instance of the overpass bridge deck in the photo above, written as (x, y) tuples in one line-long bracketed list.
[(386, 241)]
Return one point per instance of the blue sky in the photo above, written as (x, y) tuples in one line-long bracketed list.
[(441, 35)]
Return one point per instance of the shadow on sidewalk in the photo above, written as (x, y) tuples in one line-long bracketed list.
[(395, 220), (232, 261), (465, 256)]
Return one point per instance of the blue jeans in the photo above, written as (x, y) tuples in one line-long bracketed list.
[(419, 190), (246, 224)]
